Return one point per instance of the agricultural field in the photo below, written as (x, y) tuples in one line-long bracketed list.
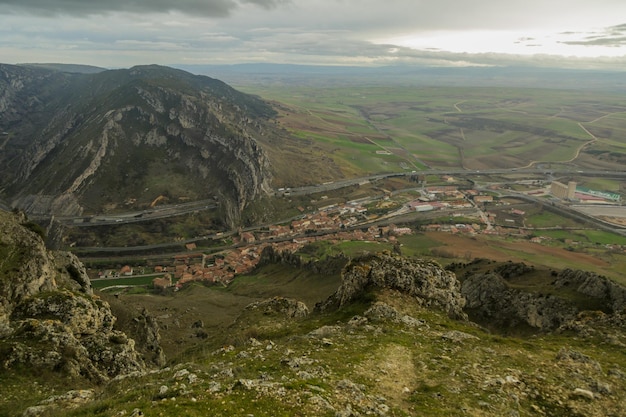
[(566, 249), (367, 130)]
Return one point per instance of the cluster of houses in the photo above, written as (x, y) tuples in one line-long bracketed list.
[(224, 266), (125, 271), (333, 223), (448, 196), (330, 218)]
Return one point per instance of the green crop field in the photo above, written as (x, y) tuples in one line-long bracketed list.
[(593, 237), (549, 219), (602, 184)]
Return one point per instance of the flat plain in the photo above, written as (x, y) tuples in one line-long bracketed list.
[(368, 130)]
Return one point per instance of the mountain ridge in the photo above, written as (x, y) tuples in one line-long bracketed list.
[(75, 140), (71, 68)]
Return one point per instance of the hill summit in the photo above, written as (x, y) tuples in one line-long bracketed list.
[(92, 142)]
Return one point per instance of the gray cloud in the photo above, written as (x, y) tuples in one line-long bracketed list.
[(614, 36), (600, 41), (216, 8), (114, 33)]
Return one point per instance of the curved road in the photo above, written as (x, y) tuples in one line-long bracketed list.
[(161, 212)]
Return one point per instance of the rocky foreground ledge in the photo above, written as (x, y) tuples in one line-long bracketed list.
[(49, 317), (393, 340)]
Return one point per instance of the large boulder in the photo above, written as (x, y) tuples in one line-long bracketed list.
[(426, 281)]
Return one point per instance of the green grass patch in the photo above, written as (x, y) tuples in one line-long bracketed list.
[(355, 248), (593, 237), (602, 184), (417, 245), (546, 218)]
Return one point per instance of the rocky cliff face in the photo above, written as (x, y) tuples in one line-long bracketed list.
[(99, 140), (49, 316), (426, 281)]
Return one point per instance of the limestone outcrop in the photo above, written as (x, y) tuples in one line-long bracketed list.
[(426, 281), (593, 285), (49, 316)]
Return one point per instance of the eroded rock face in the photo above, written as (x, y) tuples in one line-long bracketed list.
[(98, 138), (49, 317), (426, 281), (492, 301)]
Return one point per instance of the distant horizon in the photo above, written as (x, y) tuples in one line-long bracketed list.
[(511, 65), (267, 75), (121, 34)]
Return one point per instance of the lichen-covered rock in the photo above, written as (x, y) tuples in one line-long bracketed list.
[(81, 313), (70, 400), (426, 281), (384, 312), (280, 305), (49, 316), (26, 267), (49, 344)]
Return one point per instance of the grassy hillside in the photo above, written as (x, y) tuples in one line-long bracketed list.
[(381, 354), (342, 363)]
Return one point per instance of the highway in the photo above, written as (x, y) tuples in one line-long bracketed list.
[(159, 212), (168, 211), (173, 210), (334, 185)]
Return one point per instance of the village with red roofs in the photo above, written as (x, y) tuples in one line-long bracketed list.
[(338, 223)]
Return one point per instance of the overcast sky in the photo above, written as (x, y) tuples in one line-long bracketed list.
[(122, 33)]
